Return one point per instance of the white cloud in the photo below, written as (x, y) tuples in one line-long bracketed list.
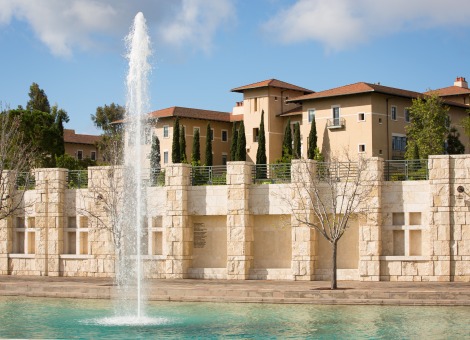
[(64, 25), (340, 24)]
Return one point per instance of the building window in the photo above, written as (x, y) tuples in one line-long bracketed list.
[(361, 117), (362, 148), (93, 156), (224, 135), (255, 104), (380, 120), (166, 131), (275, 98), (255, 134), (165, 157), (311, 115), (212, 134), (224, 159), (79, 154), (335, 110), (407, 115), (196, 129), (394, 113), (399, 143), (380, 152)]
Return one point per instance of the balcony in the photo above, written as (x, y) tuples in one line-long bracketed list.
[(336, 123)]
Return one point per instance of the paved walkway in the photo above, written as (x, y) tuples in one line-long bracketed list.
[(259, 291)]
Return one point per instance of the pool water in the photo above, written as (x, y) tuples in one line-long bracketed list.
[(22, 317)]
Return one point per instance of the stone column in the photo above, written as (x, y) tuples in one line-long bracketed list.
[(178, 235), (370, 238), (440, 216), (6, 237), (303, 237), (50, 213), (239, 221)]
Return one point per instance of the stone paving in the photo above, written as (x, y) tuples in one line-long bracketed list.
[(259, 291)]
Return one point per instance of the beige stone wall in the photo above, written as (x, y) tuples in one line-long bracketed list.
[(413, 231)]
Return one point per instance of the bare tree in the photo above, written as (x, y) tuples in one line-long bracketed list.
[(16, 161), (327, 196)]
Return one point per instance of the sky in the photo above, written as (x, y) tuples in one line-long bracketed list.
[(75, 49)]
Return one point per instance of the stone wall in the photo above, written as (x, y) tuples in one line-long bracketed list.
[(412, 231)]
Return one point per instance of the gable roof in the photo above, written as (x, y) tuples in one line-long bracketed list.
[(450, 91), (358, 88), (272, 83), (71, 137), (185, 112)]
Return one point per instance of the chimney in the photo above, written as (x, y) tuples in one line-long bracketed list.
[(461, 82)]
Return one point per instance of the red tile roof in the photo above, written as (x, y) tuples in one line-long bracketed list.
[(272, 83), (450, 91), (358, 88), (185, 112), (71, 137), (292, 112)]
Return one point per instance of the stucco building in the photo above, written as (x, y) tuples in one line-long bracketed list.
[(81, 146)]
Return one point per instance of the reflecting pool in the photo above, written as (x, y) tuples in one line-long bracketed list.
[(73, 318)]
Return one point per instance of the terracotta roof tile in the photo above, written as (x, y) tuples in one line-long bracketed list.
[(292, 112), (272, 83), (450, 91), (186, 112), (71, 137)]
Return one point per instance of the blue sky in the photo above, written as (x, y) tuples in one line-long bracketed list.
[(75, 49)]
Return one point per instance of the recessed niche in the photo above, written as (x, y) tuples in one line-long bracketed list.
[(157, 243), (398, 243), (415, 242), (398, 218), (415, 218)]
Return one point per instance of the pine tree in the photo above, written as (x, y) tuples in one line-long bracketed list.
[(233, 146), (196, 152), (287, 144), (312, 140), (261, 152), (241, 143), (297, 142), (175, 151), (209, 145), (37, 99), (184, 158)]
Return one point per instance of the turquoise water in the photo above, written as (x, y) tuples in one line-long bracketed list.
[(73, 318)]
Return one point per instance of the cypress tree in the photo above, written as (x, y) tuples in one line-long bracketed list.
[(261, 152), (297, 143), (155, 156), (184, 158), (312, 140), (287, 144), (175, 150), (241, 143), (233, 146), (196, 153), (209, 145)]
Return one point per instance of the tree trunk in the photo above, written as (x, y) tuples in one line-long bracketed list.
[(333, 270)]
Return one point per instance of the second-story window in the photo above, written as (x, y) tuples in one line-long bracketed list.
[(393, 113), (335, 115), (407, 115), (166, 131), (224, 135), (311, 115)]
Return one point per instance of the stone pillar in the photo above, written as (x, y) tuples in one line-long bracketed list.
[(303, 237), (178, 235), (239, 221), (370, 238), (440, 216), (50, 213), (6, 237)]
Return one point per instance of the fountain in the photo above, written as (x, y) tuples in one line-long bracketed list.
[(129, 269)]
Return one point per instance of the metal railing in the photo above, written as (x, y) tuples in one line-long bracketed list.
[(157, 178), (338, 171), (25, 181), (335, 123), (271, 173), (406, 170), (209, 175), (77, 179)]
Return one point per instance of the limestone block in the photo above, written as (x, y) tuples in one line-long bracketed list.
[(462, 268), (465, 232), (464, 247), (457, 232), (441, 268), (391, 268), (301, 248), (443, 232), (409, 268), (441, 248)]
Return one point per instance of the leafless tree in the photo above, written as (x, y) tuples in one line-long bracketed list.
[(16, 161), (333, 193)]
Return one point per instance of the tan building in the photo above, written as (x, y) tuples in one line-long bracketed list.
[(162, 124), (364, 118), (459, 92), (81, 146)]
